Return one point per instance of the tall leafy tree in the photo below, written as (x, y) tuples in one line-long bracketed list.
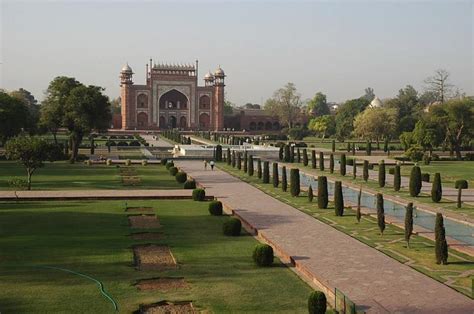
[(323, 126), (318, 106), (13, 114), (346, 114), (31, 104), (285, 104), (86, 109), (52, 108), (456, 118), (375, 123)]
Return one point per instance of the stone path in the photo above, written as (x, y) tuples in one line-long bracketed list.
[(94, 194), (374, 281), (157, 141)]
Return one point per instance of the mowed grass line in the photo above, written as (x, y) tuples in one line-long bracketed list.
[(62, 175), (92, 237)]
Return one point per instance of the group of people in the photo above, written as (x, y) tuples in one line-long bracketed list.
[(211, 163)]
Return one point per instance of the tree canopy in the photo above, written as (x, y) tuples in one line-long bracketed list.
[(285, 104), (318, 106), (346, 114), (13, 116), (375, 123)]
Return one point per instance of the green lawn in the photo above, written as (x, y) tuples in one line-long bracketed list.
[(92, 237), (78, 176), (450, 171), (391, 243)]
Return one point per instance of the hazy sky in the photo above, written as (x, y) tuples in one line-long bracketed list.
[(338, 47)]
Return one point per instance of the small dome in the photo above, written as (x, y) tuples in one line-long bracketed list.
[(127, 68), (376, 103), (219, 72), (209, 76)]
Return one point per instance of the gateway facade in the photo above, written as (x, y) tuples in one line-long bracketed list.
[(171, 98)]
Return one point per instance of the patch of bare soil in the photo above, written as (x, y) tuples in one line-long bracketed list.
[(151, 256), (144, 221), (139, 209), (131, 180), (162, 284), (168, 308), (147, 236)]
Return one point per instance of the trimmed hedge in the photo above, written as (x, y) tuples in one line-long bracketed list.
[(173, 171), (441, 246), (397, 178), (305, 157), (380, 213), (199, 195), (215, 208), (266, 172), (190, 184), (382, 174), (295, 182), (169, 164), (343, 164), (331, 163), (338, 199), (313, 159), (460, 185), (259, 168), (365, 170), (436, 189), (263, 255), (284, 181), (228, 158), (310, 194), (415, 181), (276, 179), (408, 223), (317, 303), (323, 198), (250, 165), (232, 227), (321, 161), (425, 177), (181, 177)]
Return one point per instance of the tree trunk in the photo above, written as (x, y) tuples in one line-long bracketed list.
[(54, 136), (457, 148), (29, 179), (75, 142)]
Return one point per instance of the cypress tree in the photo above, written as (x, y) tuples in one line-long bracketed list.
[(380, 213), (441, 246), (259, 168), (284, 182), (250, 166), (295, 182), (342, 167), (385, 145), (322, 192), (436, 190), (338, 199), (397, 178), (233, 159), (353, 149), (313, 159), (310, 194), (333, 146), (228, 156), (358, 213), (354, 169), (408, 223), (218, 151), (305, 157), (280, 153), (415, 181), (321, 161), (292, 154), (287, 153), (348, 147), (365, 170), (266, 172), (331, 163), (460, 185), (382, 173), (239, 161), (246, 160), (276, 179), (369, 148), (298, 155)]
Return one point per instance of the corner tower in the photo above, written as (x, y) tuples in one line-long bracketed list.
[(218, 104), (126, 82)]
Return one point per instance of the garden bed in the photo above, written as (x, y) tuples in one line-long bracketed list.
[(152, 256), (162, 284), (143, 221)]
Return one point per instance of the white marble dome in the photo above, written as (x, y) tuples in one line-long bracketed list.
[(127, 68), (376, 103)]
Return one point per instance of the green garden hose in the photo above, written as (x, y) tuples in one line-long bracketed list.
[(100, 284)]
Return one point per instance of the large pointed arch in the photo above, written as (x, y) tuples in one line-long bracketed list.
[(173, 100)]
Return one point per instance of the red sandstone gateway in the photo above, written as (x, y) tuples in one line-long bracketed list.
[(171, 98)]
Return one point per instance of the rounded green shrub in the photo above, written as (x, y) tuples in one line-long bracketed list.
[(173, 171), (181, 177), (199, 195), (263, 255), (425, 177), (461, 184), (232, 227), (169, 164), (215, 208), (190, 184), (317, 303), (415, 181)]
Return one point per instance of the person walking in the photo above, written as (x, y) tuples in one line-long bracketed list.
[(212, 164), (205, 164)]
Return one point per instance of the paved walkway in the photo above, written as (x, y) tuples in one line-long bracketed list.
[(94, 194), (374, 281), (157, 141)]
